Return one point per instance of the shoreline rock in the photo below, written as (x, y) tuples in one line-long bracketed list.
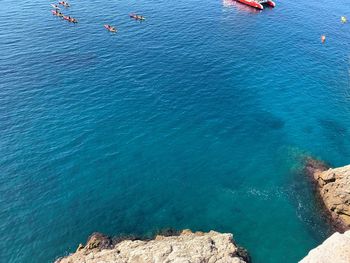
[(335, 249), (186, 247), (333, 188)]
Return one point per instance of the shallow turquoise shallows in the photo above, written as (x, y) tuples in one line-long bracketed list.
[(197, 118)]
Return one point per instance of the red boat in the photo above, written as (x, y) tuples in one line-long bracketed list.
[(259, 4)]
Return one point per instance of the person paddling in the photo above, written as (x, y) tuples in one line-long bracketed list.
[(110, 28), (64, 3)]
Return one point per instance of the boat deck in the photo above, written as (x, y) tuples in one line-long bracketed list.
[(262, 1)]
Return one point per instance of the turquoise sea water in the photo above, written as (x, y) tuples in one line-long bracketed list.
[(197, 118)]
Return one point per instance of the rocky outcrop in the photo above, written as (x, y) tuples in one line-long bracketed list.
[(336, 249), (333, 185), (187, 247)]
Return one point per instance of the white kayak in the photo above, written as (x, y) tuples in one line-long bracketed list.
[(55, 6)]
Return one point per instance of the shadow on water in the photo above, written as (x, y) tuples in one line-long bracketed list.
[(267, 120), (308, 129), (332, 127), (336, 133)]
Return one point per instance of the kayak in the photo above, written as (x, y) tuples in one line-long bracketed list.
[(65, 4), (70, 19), (110, 28), (56, 13), (137, 17), (55, 6)]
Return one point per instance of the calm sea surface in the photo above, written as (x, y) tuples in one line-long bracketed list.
[(197, 118)]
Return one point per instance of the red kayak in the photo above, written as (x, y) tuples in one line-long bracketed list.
[(56, 13), (258, 3), (70, 19)]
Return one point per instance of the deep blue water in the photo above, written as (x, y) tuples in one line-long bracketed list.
[(197, 118)]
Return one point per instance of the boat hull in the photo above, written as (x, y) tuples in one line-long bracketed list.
[(271, 3), (251, 3), (257, 5)]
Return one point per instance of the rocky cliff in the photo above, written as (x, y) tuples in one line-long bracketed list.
[(336, 249), (333, 185), (187, 247)]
